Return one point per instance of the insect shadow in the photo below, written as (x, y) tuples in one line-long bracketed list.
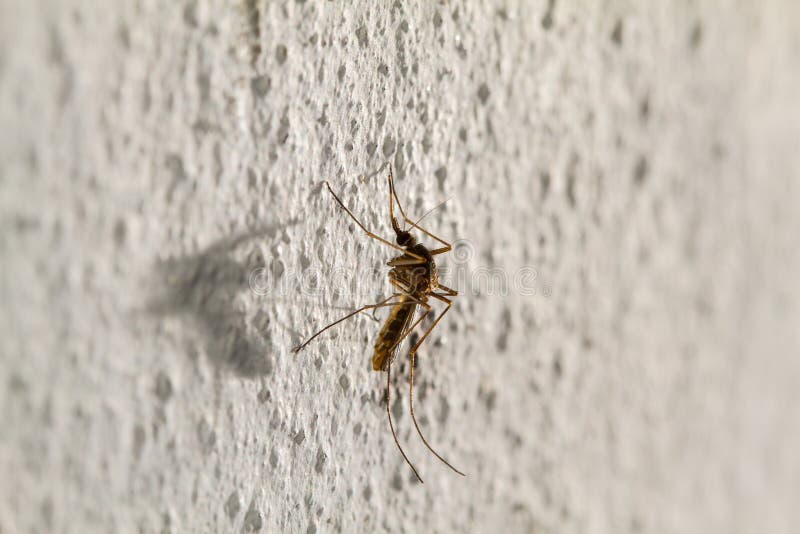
[(203, 288)]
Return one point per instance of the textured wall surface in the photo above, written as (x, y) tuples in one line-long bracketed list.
[(623, 180)]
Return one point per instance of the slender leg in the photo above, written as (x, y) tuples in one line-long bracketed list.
[(404, 262), (398, 284), (391, 197), (447, 246), (413, 326), (370, 234), (393, 193), (412, 354), (381, 304), (430, 329), (391, 425), (448, 292)]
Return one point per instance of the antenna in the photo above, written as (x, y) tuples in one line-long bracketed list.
[(437, 206)]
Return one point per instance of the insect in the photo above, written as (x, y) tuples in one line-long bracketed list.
[(415, 281)]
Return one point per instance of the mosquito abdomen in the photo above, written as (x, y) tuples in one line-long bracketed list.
[(394, 327)]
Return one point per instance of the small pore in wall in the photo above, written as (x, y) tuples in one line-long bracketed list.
[(441, 176), (362, 36), (547, 19), (505, 328), (616, 33), (696, 36), (280, 54), (640, 171)]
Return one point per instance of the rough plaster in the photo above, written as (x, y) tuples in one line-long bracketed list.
[(640, 157)]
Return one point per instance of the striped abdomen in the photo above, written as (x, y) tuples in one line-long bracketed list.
[(394, 327)]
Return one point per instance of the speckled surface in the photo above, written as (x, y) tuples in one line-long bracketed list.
[(630, 171)]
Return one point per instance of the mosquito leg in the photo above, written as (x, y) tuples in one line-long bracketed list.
[(412, 354), (447, 246), (413, 325), (430, 329), (370, 234), (448, 292), (380, 304), (393, 193), (421, 317), (398, 284), (391, 425), (404, 262)]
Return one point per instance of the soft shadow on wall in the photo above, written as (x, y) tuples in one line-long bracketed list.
[(203, 288)]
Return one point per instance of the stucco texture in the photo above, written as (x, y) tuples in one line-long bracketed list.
[(621, 184)]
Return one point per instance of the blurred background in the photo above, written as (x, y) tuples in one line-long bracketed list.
[(621, 185)]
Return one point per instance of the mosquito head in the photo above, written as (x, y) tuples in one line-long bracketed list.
[(404, 237)]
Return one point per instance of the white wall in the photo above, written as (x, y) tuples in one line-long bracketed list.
[(640, 158)]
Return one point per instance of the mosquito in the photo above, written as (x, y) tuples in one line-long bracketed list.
[(415, 281)]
